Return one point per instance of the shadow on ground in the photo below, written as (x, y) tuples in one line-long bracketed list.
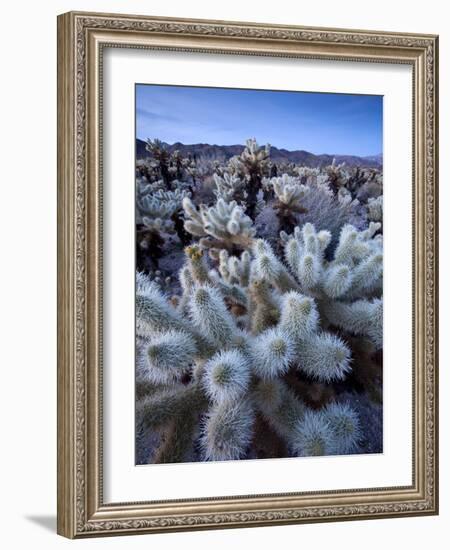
[(46, 522)]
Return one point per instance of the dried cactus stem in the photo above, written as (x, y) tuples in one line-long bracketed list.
[(252, 194), (183, 235), (314, 394), (177, 441), (149, 249), (266, 442), (265, 312), (286, 215), (279, 406), (154, 411)]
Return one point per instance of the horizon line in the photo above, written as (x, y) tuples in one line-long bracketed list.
[(263, 145)]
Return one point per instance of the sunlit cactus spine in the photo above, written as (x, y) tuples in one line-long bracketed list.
[(196, 265)]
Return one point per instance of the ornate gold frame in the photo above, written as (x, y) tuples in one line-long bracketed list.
[(81, 37)]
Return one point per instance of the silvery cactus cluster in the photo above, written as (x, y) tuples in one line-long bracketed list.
[(222, 226), (156, 208), (253, 165), (222, 351), (232, 357), (157, 214), (169, 166), (375, 208), (230, 187)]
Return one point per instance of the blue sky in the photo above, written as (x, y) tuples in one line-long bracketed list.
[(315, 122)]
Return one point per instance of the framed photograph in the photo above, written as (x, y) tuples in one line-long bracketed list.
[(247, 285)]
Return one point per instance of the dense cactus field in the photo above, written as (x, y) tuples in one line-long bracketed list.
[(259, 307)]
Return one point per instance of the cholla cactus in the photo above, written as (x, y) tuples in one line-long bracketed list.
[(345, 198), (234, 270), (153, 222), (255, 158), (238, 361), (160, 205), (312, 436), (266, 306), (190, 166), (375, 209), (210, 316), (148, 173), (167, 357), (161, 155), (345, 427), (228, 431), (335, 430), (227, 376), (308, 175), (223, 226), (254, 329), (347, 288), (157, 213), (273, 353), (327, 210), (175, 412), (372, 186), (289, 194), (254, 163), (230, 187), (231, 284), (336, 175), (289, 191), (361, 317), (171, 167), (267, 266), (159, 279)]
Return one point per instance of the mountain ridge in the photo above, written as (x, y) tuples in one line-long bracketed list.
[(225, 152)]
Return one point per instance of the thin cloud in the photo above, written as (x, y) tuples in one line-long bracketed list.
[(142, 113)]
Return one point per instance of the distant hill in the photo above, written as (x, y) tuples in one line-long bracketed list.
[(225, 152)]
